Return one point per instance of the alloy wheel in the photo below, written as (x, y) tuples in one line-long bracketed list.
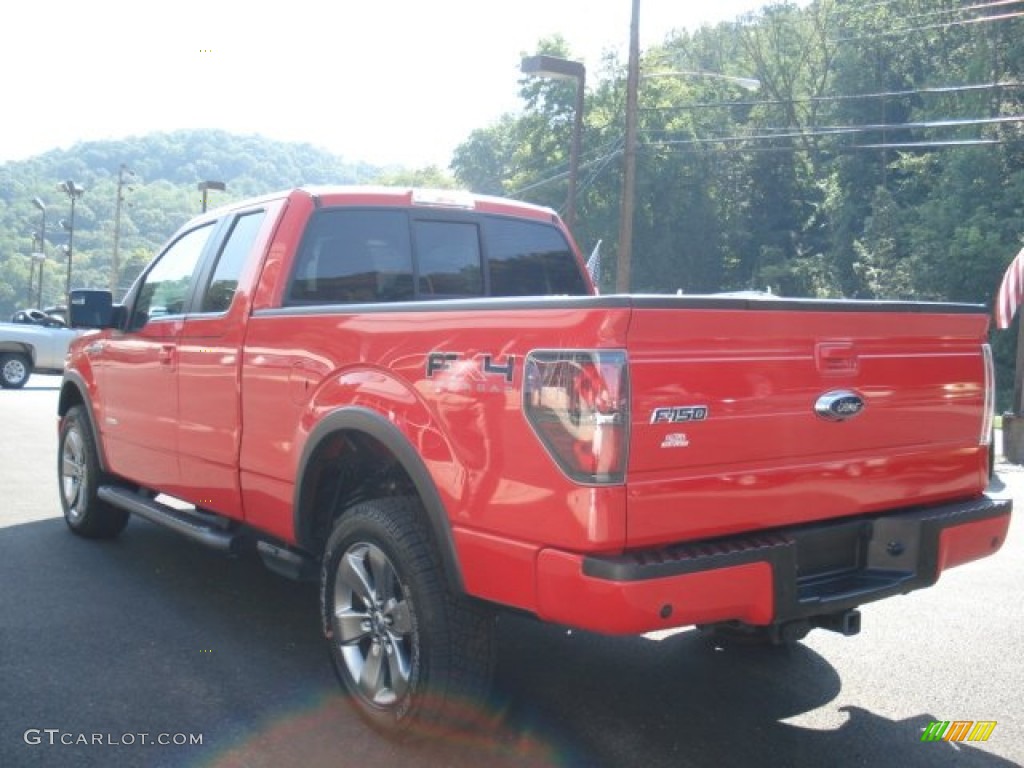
[(373, 625), (73, 471)]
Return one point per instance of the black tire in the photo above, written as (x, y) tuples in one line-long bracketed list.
[(15, 368), (79, 477), (410, 655)]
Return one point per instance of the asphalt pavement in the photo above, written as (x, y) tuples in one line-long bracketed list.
[(152, 651)]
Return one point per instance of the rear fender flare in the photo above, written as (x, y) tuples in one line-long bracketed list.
[(373, 424)]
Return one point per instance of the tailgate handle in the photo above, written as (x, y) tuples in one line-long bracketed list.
[(836, 357)]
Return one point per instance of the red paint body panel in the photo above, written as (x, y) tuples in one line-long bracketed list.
[(567, 596), (497, 568), (972, 541), (762, 457), (470, 432), (665, 507), (139, 426), (219, 410)]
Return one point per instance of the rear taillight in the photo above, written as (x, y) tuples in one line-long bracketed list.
[(578, 404), (989, 414)]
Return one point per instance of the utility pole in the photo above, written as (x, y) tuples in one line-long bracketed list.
[(115, 262), (624, 260)]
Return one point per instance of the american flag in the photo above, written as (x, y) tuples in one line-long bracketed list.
[(1011, 291), (594, 266)]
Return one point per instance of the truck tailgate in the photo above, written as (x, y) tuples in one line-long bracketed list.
[(751, 414)]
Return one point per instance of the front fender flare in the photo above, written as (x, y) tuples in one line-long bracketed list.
[(74, 381)]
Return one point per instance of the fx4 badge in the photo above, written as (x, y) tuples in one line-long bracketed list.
[(457, 372), (839, 405), (679, 414)]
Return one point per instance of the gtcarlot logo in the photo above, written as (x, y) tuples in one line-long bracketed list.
[(57, 737)]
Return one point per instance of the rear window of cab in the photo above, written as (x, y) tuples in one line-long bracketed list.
[(352, 255)]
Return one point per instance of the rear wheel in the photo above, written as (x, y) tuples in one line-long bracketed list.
[(79, 477), (15, 368), (407, 651)]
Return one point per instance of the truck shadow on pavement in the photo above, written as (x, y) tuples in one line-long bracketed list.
[(685, 701), (151, 634)]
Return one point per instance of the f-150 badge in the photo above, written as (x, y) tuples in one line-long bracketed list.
[(679, 414)]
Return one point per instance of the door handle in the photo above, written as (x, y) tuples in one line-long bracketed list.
[(166, 355)]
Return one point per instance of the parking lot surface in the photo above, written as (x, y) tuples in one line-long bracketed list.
[(108, 649)]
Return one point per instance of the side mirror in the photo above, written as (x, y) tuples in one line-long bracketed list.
[(93, 309)]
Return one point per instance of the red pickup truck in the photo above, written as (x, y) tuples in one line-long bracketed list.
[(417, 398)]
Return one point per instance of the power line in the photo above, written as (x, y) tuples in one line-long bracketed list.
[(847, 97), (929, 144), (843, 12), (601, 158), (831, 131), (926, 27), (616, 151), (613, 149), (845, 148), (963, 9)]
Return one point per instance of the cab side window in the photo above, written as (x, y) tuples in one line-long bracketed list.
[(165, 289), (351, 256), (221, 289)]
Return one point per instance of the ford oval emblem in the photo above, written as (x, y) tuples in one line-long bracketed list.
[(839, 405)]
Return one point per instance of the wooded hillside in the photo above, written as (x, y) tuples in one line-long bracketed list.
[(161, 195)]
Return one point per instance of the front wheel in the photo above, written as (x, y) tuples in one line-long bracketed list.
[(407, 651), (78, 476), (15, 368)]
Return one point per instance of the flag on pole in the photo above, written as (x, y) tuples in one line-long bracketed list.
[(1011, 291), (594, 266)]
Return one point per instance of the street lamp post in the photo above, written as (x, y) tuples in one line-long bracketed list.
[(38, 203), (564, 69), (39, 259), (73, 191), (32, 268), (206, 186)]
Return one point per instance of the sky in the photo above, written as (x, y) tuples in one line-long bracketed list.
[(387, 82)]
